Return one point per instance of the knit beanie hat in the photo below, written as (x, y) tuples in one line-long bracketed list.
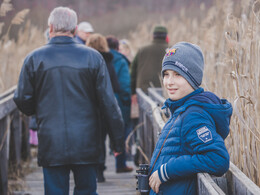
[(186, 59), (160, 32)]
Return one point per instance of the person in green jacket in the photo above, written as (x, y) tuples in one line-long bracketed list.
[(145, 69)]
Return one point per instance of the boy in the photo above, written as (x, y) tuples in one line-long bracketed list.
[(192, 141)]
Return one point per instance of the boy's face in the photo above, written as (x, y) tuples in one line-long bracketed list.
[(176, 86)]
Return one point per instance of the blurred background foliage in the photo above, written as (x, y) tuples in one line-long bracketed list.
[(116, 17)]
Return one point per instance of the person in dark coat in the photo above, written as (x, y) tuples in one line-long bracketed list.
[(99, 42), (65, 84), (121, 64), (192, 141)]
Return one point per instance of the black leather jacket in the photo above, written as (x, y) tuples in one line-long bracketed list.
[(67, 85)]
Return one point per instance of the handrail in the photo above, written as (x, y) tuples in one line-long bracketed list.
[(8, 92), (14, 144), (155, 109), (153, 93), (7, 104)]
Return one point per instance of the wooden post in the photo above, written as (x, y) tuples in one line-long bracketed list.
[(15, 142), (25, 138), (3, 158)]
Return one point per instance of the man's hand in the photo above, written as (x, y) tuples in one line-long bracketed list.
[(155, 182), (117, 153), (134, 99)]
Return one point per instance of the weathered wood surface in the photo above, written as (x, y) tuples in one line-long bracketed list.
[(206, 185), (3, 158), (116, 184), (14, 144), (7, 104), (239, 183), (149, 115), (156, 95)]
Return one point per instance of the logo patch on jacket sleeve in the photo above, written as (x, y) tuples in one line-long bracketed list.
[(204, 134)]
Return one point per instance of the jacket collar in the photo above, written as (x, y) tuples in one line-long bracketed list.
[(174, 105), (61, 40)]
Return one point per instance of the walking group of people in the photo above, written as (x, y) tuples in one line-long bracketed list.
[(118, 70), (79, 88)]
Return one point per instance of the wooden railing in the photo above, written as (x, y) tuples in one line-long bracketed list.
[(151, 117), (14, 144)]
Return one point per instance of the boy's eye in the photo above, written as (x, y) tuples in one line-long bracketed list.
[(165, 73), (177, 74)]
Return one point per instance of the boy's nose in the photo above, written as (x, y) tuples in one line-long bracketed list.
[(171, 80)]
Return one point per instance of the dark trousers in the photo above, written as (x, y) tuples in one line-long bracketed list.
[(121, 159), (56, 179)]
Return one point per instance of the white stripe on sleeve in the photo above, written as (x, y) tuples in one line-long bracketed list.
[(162, 173), (166, 172)]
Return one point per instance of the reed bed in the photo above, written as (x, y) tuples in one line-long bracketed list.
[(229, 36), (13, 52), (231, 45)]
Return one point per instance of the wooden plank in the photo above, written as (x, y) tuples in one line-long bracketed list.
[(154, 94), (25, 149), (239, 183), (15, 140), (8, 92), (206, 186), (115, 184), (7, 105), (221, 182)]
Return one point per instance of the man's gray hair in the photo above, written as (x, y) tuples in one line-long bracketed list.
[(63, 19)]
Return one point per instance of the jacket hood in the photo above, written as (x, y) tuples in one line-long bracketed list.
[(219, 109), (118, 56)]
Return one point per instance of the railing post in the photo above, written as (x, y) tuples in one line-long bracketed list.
[(15, 141), (3, 158), (25, 151)]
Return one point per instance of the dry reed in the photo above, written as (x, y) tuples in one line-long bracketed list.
[(5, 7), (231, 47)]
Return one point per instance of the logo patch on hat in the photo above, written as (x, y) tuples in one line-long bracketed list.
[(170, 52), (204, 134)]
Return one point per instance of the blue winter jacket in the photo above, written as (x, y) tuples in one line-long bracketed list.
[(67, 86), (198, 126), (121, 63)]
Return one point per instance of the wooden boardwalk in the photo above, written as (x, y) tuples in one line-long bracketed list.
[(115, 184)]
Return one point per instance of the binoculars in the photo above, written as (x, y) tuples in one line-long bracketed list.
[(143, 179)]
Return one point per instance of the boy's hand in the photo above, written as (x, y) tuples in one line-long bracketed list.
[(155, 182)]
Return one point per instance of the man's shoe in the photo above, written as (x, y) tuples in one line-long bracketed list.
[(124, 169), (100, 176)]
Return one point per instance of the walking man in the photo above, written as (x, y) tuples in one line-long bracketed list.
[(66, 84)]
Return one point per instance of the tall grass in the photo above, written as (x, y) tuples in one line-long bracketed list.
[(12, 53), (231, 45)]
